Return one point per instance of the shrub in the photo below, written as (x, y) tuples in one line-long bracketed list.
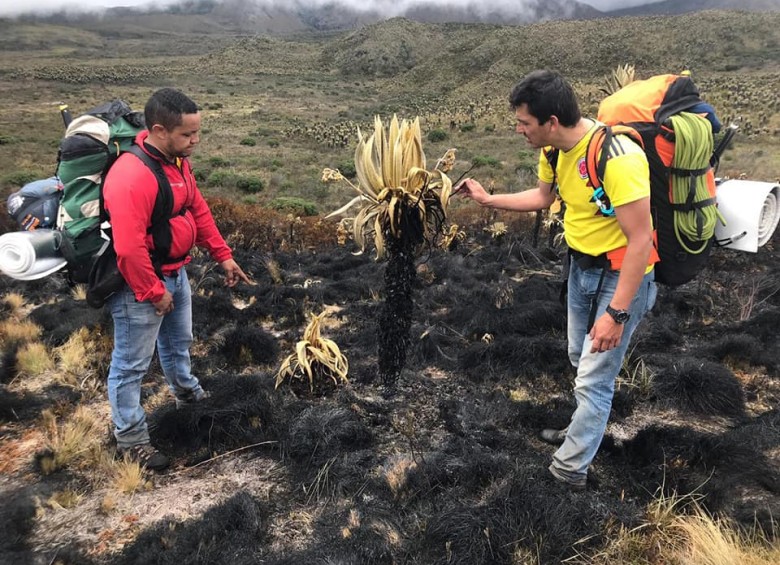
[(251, 184), (294, 205), (277, 181), (8, 139), (273, 143), (20, 178), (249, 141), (216, 161), (433, 136), (347, 168), (200, 175), (484, 161), (467, 127), (225, 179)]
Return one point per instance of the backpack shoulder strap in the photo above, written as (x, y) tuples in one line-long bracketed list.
[(160, 229), (552, 156), (161, 214), (551, 153), (596, 158), (163, 205)]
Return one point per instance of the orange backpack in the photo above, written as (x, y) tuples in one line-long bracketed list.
[(645, 111)]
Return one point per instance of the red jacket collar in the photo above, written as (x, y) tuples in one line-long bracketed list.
[(140, 140)]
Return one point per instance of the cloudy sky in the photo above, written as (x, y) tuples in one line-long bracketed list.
[(10, 7)]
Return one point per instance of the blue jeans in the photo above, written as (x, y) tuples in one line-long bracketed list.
[(136, 330), (594, 385)]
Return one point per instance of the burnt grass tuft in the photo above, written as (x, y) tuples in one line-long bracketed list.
[(700, 386), (230, 532)]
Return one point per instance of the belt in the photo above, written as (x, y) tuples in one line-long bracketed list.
[(586, 261)]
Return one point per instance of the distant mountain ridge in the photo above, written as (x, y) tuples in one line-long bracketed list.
[(670, 7), (299, 16)]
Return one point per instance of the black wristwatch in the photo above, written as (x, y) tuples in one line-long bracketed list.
[(620, 316)]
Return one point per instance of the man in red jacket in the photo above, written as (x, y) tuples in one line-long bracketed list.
[(153, 309)]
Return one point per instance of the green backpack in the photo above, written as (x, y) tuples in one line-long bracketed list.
[(92, 143)]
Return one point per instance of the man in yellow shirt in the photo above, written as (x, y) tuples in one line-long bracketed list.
[(609, 232)]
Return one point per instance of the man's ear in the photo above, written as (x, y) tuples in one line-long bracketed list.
[(158, 130)]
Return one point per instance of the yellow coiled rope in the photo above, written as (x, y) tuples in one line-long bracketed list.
[(695, 212)]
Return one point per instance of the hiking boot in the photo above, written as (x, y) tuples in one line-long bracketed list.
[(577, 484), (192, 398), (146, 455), (554, 437)]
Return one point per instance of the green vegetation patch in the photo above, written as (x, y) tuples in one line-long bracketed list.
[(437, 135), (293, 205), (485, 161), (250, 184), (20, 178)]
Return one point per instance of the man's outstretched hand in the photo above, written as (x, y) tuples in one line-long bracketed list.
[(469, 188), (233, 273)]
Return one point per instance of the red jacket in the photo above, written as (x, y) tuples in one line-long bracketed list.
[(129, 193)]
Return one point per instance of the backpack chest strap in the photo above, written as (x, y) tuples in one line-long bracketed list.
[(598, 152)]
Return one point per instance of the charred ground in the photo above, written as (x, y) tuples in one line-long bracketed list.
[(444, 467)]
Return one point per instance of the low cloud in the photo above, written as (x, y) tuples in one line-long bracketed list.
[(388, 7), (607, 5)]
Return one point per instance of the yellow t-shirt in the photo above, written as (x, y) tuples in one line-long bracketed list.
[(626, 179)]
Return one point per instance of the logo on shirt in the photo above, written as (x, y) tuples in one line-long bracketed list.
[(582, 169)]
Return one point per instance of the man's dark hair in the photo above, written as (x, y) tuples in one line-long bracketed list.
[(166, 106), (546, 93)]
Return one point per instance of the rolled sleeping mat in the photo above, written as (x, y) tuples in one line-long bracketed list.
[(751, 210), (31, 255)]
